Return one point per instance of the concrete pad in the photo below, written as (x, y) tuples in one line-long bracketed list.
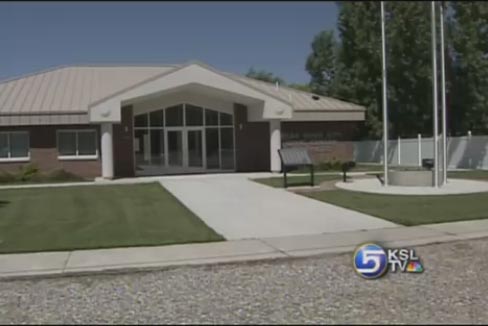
[(453, 187), (33, 262), (150, 256), (239, 208)]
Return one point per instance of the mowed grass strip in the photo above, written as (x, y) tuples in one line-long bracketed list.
[(410, 210), (88, 217), (296, 181)]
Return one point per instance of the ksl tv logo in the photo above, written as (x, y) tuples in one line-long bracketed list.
[(373, 261)]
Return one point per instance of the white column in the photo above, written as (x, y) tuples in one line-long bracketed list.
[(419, 148), (385, 103), (275, 144), (444, 122), (434, 95), (399, 151), (107, 151)]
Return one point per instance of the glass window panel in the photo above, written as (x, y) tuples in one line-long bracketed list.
[(19, 144), (211, 117), (174, 116), (156, 118), (4, 145), (175, 148), (212, 144), (194, 115), (227, 148), (225, 119), (87, 143), (67, 143), (195, 150), (141, 147), (157, 147), (140, 120)]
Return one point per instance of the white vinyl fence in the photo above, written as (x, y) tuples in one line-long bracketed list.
[(468, 152)]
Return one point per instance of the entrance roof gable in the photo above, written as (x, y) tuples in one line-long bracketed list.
[(108, 109)]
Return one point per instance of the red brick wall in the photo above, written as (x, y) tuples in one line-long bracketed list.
[(44, 153), (123, 145), (252, 142), (340, 148), (326, 151)]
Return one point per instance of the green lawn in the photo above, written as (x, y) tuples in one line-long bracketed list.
[(472, 174), (410, 210), (96, 217), (468, 174), (277, 182), (360, 167)]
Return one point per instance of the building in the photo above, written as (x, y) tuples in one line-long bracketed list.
[(122, 121)]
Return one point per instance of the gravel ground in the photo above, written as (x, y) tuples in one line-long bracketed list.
[(453, 289)]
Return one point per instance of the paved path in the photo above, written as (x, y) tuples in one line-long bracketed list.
[(239, 208), (141, 258), (453, 290)]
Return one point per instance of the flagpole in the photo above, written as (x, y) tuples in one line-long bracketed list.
[(444, 119), (434, 94), (385, 104)]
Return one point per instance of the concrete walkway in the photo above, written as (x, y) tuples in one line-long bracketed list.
[(239, 208), (147, 258)]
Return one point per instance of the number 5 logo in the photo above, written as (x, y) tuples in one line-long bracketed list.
[(370, 261)]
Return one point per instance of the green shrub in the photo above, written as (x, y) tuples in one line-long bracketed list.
[(6, 177), (31, 174), (330, 166), (62, 175), (27, 172)]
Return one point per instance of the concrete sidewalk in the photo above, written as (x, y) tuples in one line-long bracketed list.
[(238, 208), (146, 258)]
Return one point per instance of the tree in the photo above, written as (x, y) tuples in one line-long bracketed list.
[(302, 87), (350, 69), (469, 46), (321, 63), (358, 71), (264, 76)]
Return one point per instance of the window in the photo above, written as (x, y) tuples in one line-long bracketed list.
[(14, 145), (227, 148), (140, 120), (156, 118), (225, 119), (194, 115), (211, 117), (174, 116), (77, 144)]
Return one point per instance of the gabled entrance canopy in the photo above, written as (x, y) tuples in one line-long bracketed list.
[(262, 106)]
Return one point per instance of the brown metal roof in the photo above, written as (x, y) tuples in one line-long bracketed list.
[(67, 92), (69, 89)]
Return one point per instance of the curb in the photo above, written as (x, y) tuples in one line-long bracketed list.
[(276, 255)]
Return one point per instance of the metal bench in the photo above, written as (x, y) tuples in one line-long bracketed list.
[(293, 158)]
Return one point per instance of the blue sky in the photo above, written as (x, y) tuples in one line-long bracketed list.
[(231, 36)]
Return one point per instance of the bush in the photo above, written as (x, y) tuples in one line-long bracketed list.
[(27, 172), (31, 174), (6, 177), (62, 175), (330, 166)]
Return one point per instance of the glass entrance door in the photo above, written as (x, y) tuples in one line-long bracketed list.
[(195, 148), (175, 148)]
